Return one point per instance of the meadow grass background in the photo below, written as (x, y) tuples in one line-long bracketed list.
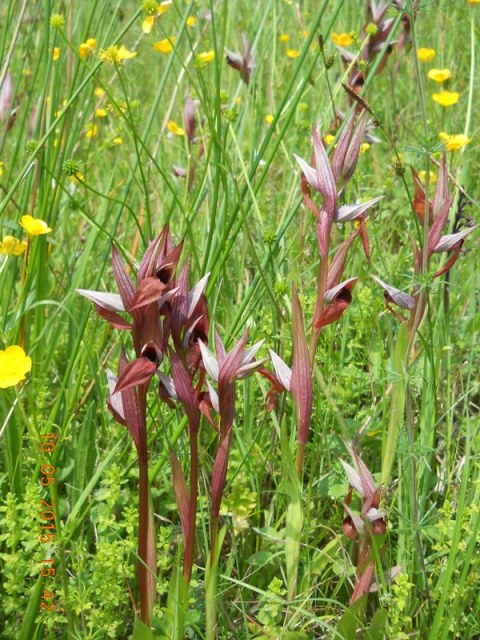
[(244, 222)]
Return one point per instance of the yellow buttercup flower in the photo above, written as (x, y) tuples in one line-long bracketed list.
[(1, 168), (425, 55), (446, 98), (164, 46), (293, 53), (98, 92), (328, 139), (56, 53), (269, 118), (14, 365), (101, 113), (11, 246), (92, 131), (364, 147), (284, 37), (473, 1), (175, 129), (342, 39), (34, 226), (86, 48), (439, 75), (147, 24), (163, 7), (454, 142), (191, 21), (117, 140), (205, 57), (116, 55)]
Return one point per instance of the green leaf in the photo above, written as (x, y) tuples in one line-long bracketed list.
[(141, 631), (377, 626), (351, 620), (29, 629)]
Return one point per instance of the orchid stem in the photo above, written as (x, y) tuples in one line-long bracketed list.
[(143, 527), (190, 543)]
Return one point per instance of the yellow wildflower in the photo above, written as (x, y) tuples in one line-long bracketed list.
[(439, 75), (454, 142), (432, 177), (1, 168), (77, 178), (205, 57), (164, 6), (116, 55), (304, 33), (364, 147), (56, 53), (10, 245), (191, 21), (86, 48), (425, 55), (329, 138), (101, 113), (92, 131), (147, 24), (284, 37), (34, 226), (14, 365), (473, 1), (342, 39), (293, 53), (164, 46), (98, 92), (175, 129), (117, 140), (446, 98), (269, 118)]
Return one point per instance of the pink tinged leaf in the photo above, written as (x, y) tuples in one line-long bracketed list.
[(113, 318), (247, 364), (195, 294), (301, 380), (167, 384), (309, 173), (149, 290), (166, 267), (179, 172), (374, 514), (6, 96), (353, 477), (435, 232), (363, 583), (220, 348), (114, 400), (185, 392), (353, 151), (417, 255), (179, 305), (228, 369), (155, 249), (324, 226), (213, 397), (337, 267), (219, 473), (357, 521), (449, 242), (181, 494), (364, 239), (137, 372), (32, 126), (134, 418), (108, 301), (282, 371), (349, 212), (441, 197), (400, 298), (209, 361), (341, 148), (366, 478), (124, 283), (326, 181)]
